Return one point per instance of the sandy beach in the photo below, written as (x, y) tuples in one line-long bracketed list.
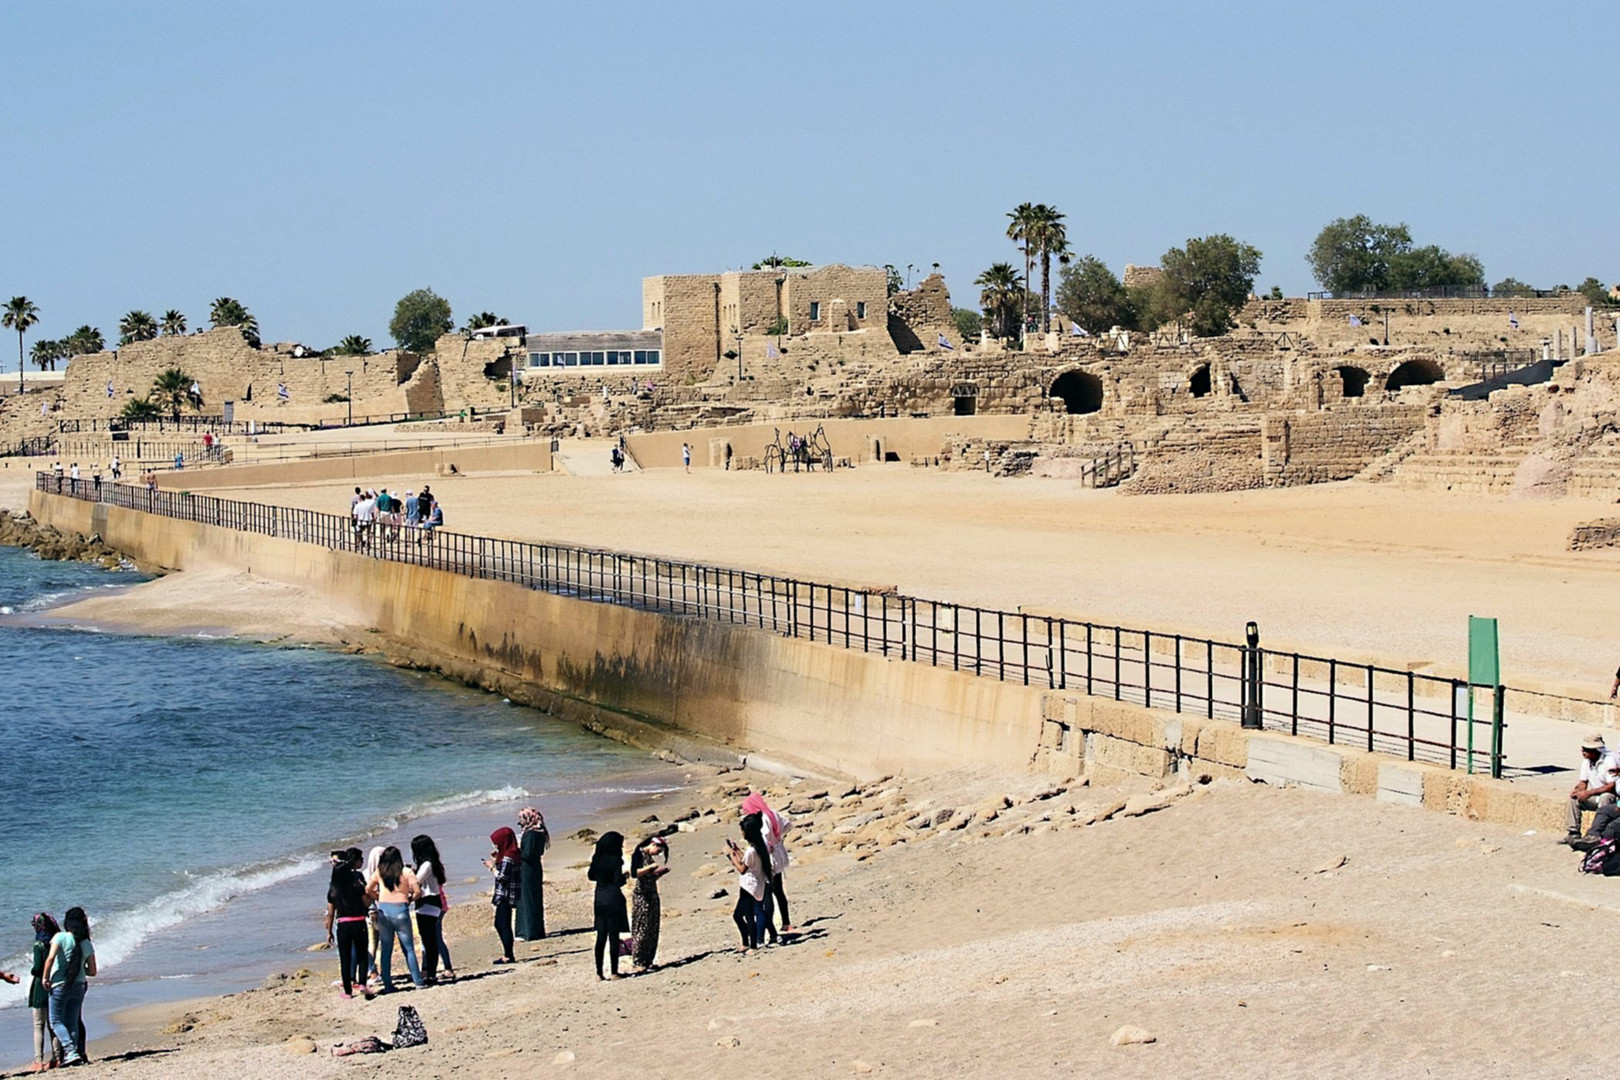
[(1242, 928)]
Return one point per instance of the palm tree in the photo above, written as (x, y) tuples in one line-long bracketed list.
[(481, 320), (1021, 232), (19, 314), (228, 312), (83, 341), (1047, 235), (137, 326), (353, 345), (46, 353), (173, 323), (173, 389), (1001, 295)]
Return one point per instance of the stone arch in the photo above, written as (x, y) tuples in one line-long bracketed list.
[(1354, 379), (1198, 383), (1081, 391), (1414, 373)]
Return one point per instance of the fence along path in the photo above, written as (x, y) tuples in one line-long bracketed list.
[(1402, 713)]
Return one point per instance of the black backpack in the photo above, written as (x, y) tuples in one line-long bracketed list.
[(1603, 859), (410, 1031)]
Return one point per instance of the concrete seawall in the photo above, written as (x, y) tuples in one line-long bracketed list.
[(689, 683)]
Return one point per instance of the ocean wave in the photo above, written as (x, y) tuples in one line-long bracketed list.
[(118, 935)]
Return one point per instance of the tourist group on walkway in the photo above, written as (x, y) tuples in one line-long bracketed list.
[(379, 516)]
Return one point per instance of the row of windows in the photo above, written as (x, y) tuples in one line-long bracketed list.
[(608, 358), (815, 310)]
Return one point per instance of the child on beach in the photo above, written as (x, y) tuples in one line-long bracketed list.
[(346, 919), (503, 863), (430, 879), (393, 888), (68, 965), (646, 911), (607, 870)]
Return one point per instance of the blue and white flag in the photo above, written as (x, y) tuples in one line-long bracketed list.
[(944, 344), (109, 388), (1078, 331), (281, 391), (1513, 320), (771, 352), (196, 391), (1355, 320)]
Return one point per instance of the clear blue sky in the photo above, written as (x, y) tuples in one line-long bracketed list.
[(318, 160)]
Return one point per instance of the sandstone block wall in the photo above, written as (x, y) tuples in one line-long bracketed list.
[(1335, 444)]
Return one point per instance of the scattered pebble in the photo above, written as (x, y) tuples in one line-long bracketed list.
[(301, 1044), (862, 1067), (1379, 967), (1130, 1035), (564, 1057), (929, 1022), (1332, 864), (730, 1042)]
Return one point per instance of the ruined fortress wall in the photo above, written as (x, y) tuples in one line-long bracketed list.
[(856, 439), (827, 284), (474, 373), (686, 307), (1334, 444), (1444, 324)]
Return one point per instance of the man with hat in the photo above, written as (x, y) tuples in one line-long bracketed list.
[(1596, 789)]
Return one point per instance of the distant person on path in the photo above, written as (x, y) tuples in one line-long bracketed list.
[(346, 916), (435, 520), (68, 966), (686, 456), (531, 909), (47, 1051), (753, 866), (179, 460), (1596, 788), (95, 478), (503, 863), (413, 510), (607, 870), (394, 887), (617, 458), (430, 878), (117, 469), (646, 909)]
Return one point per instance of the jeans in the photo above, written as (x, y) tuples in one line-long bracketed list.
[(394, 920), (749, 915), (67, 1003)]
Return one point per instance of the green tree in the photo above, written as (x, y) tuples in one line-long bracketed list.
[(46, 353), (1275, 293), (1209, 279), (969, 324), (1002, 296), (141, 409), (137, 326), (353, 345), (173, 323), (1354, 254), (1512, 287), (1046, 234), (1595, 293), (1433, 267), (228, 312), (84, 341), (172, 389), (481, 320), (779, 262), (896, 282), (19, 314), (1023, 224), (419, 318), (1090, 295)]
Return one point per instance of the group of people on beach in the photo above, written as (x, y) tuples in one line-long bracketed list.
[(372, 904), (378, 514), (61, 964)]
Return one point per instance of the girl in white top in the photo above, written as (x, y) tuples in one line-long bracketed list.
[(753, 866), (429, 903)]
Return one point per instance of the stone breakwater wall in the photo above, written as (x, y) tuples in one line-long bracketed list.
[(46, 541), (663, 680)]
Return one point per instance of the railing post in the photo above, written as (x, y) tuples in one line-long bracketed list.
[(1253, 717), (1498, 723)]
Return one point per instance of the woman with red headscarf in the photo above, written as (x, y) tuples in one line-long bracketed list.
[(775, 827), (503, 863)]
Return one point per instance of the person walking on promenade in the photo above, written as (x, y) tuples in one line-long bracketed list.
[(753, 866), (117, 469), (430, 878), (1595, 790), (346, 918), (413, 511), (68, 966), (646, 909), (686, 456), (607, 870), (775, 826), (531, 909), (394, 887), (47, 1050), (503, 863)]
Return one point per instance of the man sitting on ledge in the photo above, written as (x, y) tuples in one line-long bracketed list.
[(1596, 789)]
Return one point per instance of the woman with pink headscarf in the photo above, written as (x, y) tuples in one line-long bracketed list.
[(775, 827), (531, 908)]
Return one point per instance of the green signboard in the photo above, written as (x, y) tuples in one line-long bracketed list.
[(1484, 659)]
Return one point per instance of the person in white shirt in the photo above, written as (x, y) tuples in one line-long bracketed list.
[(1595, 790)]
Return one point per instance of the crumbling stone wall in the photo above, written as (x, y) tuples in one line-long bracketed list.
[(917, 317), (1334, 444)]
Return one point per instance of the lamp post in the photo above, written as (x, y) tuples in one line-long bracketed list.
[(349, 396), (737, 336)]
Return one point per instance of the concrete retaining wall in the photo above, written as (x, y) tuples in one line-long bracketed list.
[(534, 456), (654, 678), (906, 438)]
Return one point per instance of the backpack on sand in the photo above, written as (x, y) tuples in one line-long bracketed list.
[(410, 1030), (1603, 859)]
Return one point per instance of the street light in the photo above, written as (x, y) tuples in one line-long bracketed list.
[(349, 395), (737, 336)]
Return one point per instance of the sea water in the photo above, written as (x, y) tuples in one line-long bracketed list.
[(186, 791)]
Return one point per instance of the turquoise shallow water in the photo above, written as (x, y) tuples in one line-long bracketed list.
[(186, 791)]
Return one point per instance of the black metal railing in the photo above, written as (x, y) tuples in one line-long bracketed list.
[(1418, 717)]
